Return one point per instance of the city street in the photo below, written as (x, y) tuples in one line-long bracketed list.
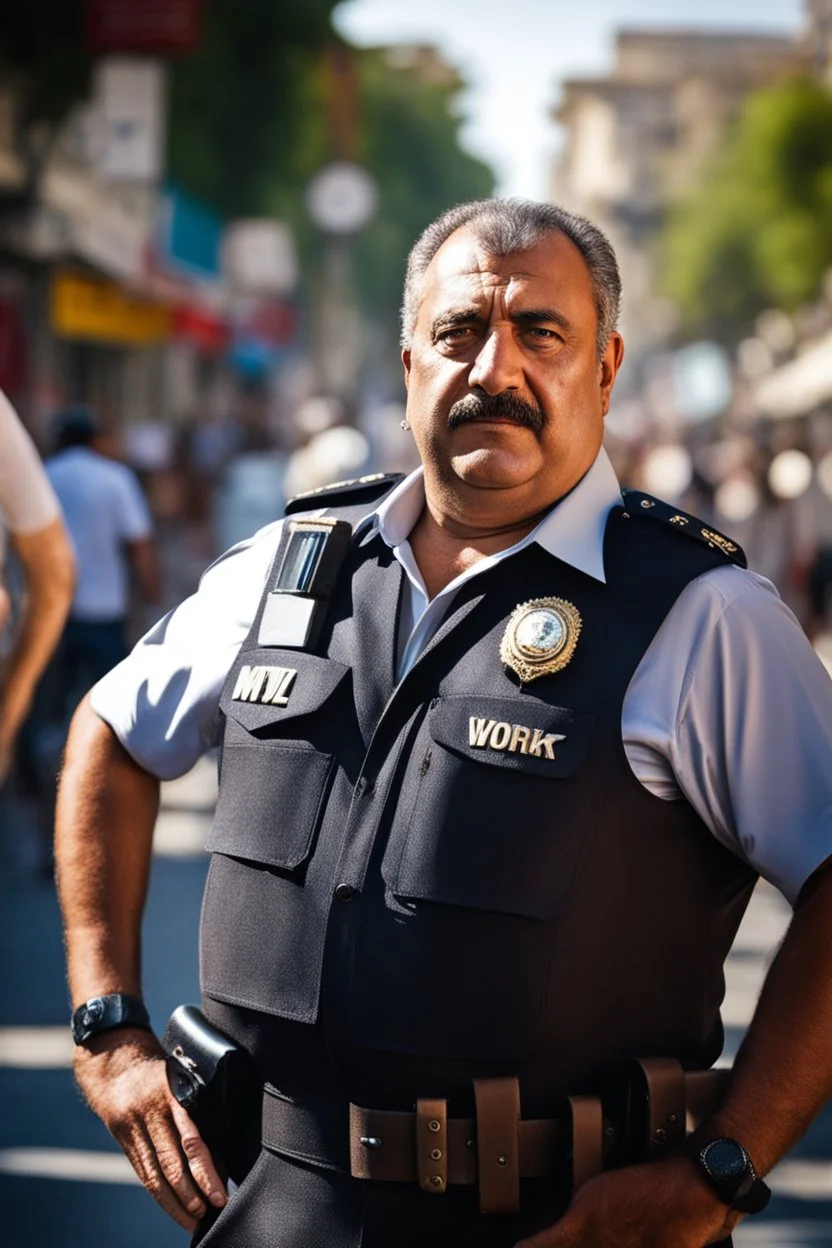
[(63, 1182)]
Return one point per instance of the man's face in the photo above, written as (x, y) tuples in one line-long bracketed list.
[(505, 389)]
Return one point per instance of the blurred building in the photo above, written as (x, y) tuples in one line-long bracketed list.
[(116, 288), (820, 31), (638, 138)]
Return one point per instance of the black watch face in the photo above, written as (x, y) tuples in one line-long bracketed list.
[(726, 1161), (93, 1012)]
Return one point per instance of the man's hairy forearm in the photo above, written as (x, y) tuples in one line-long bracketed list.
[(783, 1072), (106, 812)]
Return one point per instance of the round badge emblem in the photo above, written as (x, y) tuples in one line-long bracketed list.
[(540, 637)]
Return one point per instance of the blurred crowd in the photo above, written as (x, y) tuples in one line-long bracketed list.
[(769, 488)]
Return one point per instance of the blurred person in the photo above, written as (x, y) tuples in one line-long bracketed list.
[(111, 529), (818, 546), (503, 753), (29, 511)]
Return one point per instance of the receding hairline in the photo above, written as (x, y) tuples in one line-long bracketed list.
[(506, 226), (496, 253)]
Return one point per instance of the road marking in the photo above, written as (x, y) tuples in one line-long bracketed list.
[(782, 1234), (181, 834), (72, 1164), (802, 1179), (36, 1048)]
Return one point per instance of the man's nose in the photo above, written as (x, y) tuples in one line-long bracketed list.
[(498, 365)]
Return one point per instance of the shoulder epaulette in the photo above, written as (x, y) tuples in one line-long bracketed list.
[(362, 489), (637, 503)]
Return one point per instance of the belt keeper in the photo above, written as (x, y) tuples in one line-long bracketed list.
[(498, 1144), (659, 1083), (432, 1145), (586, 1131)]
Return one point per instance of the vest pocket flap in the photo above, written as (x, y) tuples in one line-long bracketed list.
[(267, 686), (270, 802), (517, 733)]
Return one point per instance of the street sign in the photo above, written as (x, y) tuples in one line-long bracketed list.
[(342, 198)]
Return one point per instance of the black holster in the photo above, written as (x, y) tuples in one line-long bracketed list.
[(213, 1078)]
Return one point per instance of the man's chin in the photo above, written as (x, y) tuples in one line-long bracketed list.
[(491, 468)]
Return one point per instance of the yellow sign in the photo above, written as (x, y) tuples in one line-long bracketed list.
[(85, 307)]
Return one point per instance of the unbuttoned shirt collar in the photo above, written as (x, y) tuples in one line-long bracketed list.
[(573, 531)]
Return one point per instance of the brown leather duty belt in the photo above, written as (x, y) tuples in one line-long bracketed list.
[(656, 1105)]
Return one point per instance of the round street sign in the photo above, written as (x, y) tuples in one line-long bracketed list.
[(342, 197)]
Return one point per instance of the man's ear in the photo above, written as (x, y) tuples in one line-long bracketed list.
[(608, 368), (406, 366)]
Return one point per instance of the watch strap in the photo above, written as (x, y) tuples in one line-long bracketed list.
[(106, 1013)]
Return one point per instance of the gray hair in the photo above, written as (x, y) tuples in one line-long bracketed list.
[(507, 225)]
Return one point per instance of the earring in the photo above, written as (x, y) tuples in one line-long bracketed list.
[(404, 424)]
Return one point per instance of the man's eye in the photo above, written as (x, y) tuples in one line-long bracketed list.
[(544, 335), (459, 333)]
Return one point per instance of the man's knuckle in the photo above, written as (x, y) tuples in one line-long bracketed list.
[(192, 1146)]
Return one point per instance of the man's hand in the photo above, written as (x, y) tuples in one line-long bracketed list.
[(122, 1076), (661, 1205)]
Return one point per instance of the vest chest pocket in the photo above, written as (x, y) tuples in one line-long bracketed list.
[(502, 807), (276, 765)]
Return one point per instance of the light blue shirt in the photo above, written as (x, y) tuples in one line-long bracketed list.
[(730, 706), (104, 509)]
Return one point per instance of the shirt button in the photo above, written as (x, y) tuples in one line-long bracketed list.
[(345, 892)]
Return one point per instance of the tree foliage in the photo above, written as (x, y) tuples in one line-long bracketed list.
[(758, 231), (411, 145), (236, 107), (407, 138)]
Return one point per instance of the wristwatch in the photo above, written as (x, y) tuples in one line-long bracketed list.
[(106, 1013), (730, 1172)]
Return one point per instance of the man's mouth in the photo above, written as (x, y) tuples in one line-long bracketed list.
[(496, 409)]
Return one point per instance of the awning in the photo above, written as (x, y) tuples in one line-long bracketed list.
[(799, 386)]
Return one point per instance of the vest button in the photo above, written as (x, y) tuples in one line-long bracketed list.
[(344, 892)]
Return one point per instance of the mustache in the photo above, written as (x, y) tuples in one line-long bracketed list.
[(506, 406)]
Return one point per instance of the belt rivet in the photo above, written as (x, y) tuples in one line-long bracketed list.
[(501, 1160), (609, 1132), (671, 1117), (469, 1143), (660, 1136), (436, 1154), (436, 1180), (433, 1125), (370, 1141)]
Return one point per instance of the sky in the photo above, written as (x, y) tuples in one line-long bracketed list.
[(515, 53)]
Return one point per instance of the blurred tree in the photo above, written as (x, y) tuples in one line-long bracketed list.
[(253, 119), (407, 137), (758, 231), (411, 146), (236, 105)]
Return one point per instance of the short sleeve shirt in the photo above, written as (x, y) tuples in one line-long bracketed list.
[(729, 708)]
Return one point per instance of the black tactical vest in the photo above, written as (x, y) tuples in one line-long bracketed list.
[(443, 905)]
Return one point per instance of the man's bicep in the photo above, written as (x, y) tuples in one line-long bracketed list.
[(753, 747)]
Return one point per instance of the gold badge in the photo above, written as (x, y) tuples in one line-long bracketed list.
[(540, 637)]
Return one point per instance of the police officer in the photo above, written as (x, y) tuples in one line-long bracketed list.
[(503, 752)]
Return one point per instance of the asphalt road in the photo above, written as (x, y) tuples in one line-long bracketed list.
[(63, 1182)]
